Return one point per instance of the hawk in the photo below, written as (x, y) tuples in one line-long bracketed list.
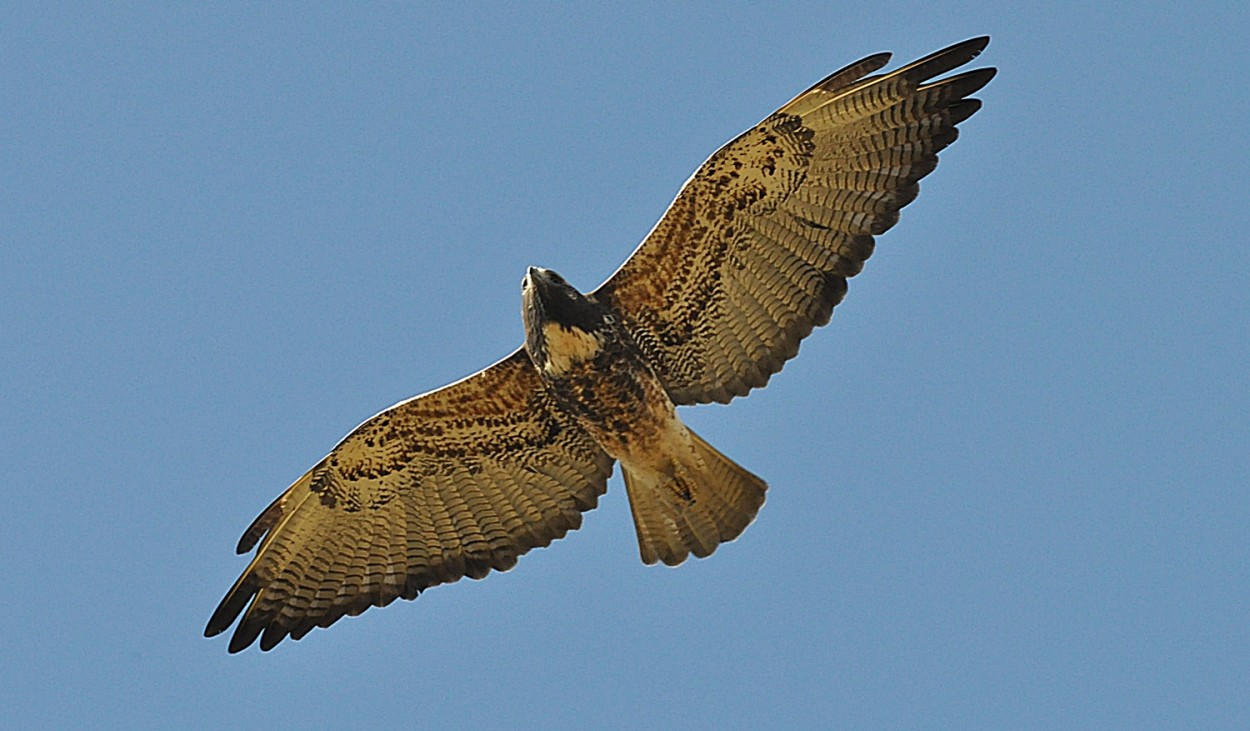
[(753, 254)]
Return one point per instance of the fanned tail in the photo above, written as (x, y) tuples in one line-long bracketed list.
[(699, 501)]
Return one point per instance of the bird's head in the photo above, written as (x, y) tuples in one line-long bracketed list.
[(562, 326)]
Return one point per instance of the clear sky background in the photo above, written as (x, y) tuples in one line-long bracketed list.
[(1009, 480)]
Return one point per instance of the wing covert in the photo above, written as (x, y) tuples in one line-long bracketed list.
[(453, 483), (757, 247)]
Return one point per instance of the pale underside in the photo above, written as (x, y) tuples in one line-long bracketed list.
[(566, 347)]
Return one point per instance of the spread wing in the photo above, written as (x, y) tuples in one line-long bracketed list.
[(453, 483), (757, 247)]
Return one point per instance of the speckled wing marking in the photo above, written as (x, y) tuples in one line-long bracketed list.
[(757, 247), (453, 483)]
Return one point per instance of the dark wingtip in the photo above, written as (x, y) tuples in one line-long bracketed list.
[(939, 62), (851, 73), (845, 76), (961, 110), (980, 42), (244, 635), (272, 635), (966, 50), (220, 621), (230, 607), (267, 519), (970, 82)]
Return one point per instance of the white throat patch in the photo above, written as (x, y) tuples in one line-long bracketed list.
[(568, 346)]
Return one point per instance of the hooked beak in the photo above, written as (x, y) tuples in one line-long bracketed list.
[(538, 279)]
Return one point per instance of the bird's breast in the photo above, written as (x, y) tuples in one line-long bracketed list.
[(568, 347), (612, 394)]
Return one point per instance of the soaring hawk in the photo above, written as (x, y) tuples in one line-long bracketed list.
[(754, 252)]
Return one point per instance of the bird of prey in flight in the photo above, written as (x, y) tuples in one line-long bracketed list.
[(754, 252)]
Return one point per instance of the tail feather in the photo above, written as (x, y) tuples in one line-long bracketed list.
[(701, 500)]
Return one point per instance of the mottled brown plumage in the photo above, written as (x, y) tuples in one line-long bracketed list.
[(450, 484), (751, 256), (685, 496), (757, 247)]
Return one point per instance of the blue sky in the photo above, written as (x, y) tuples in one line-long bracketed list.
[(1009, 480)]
